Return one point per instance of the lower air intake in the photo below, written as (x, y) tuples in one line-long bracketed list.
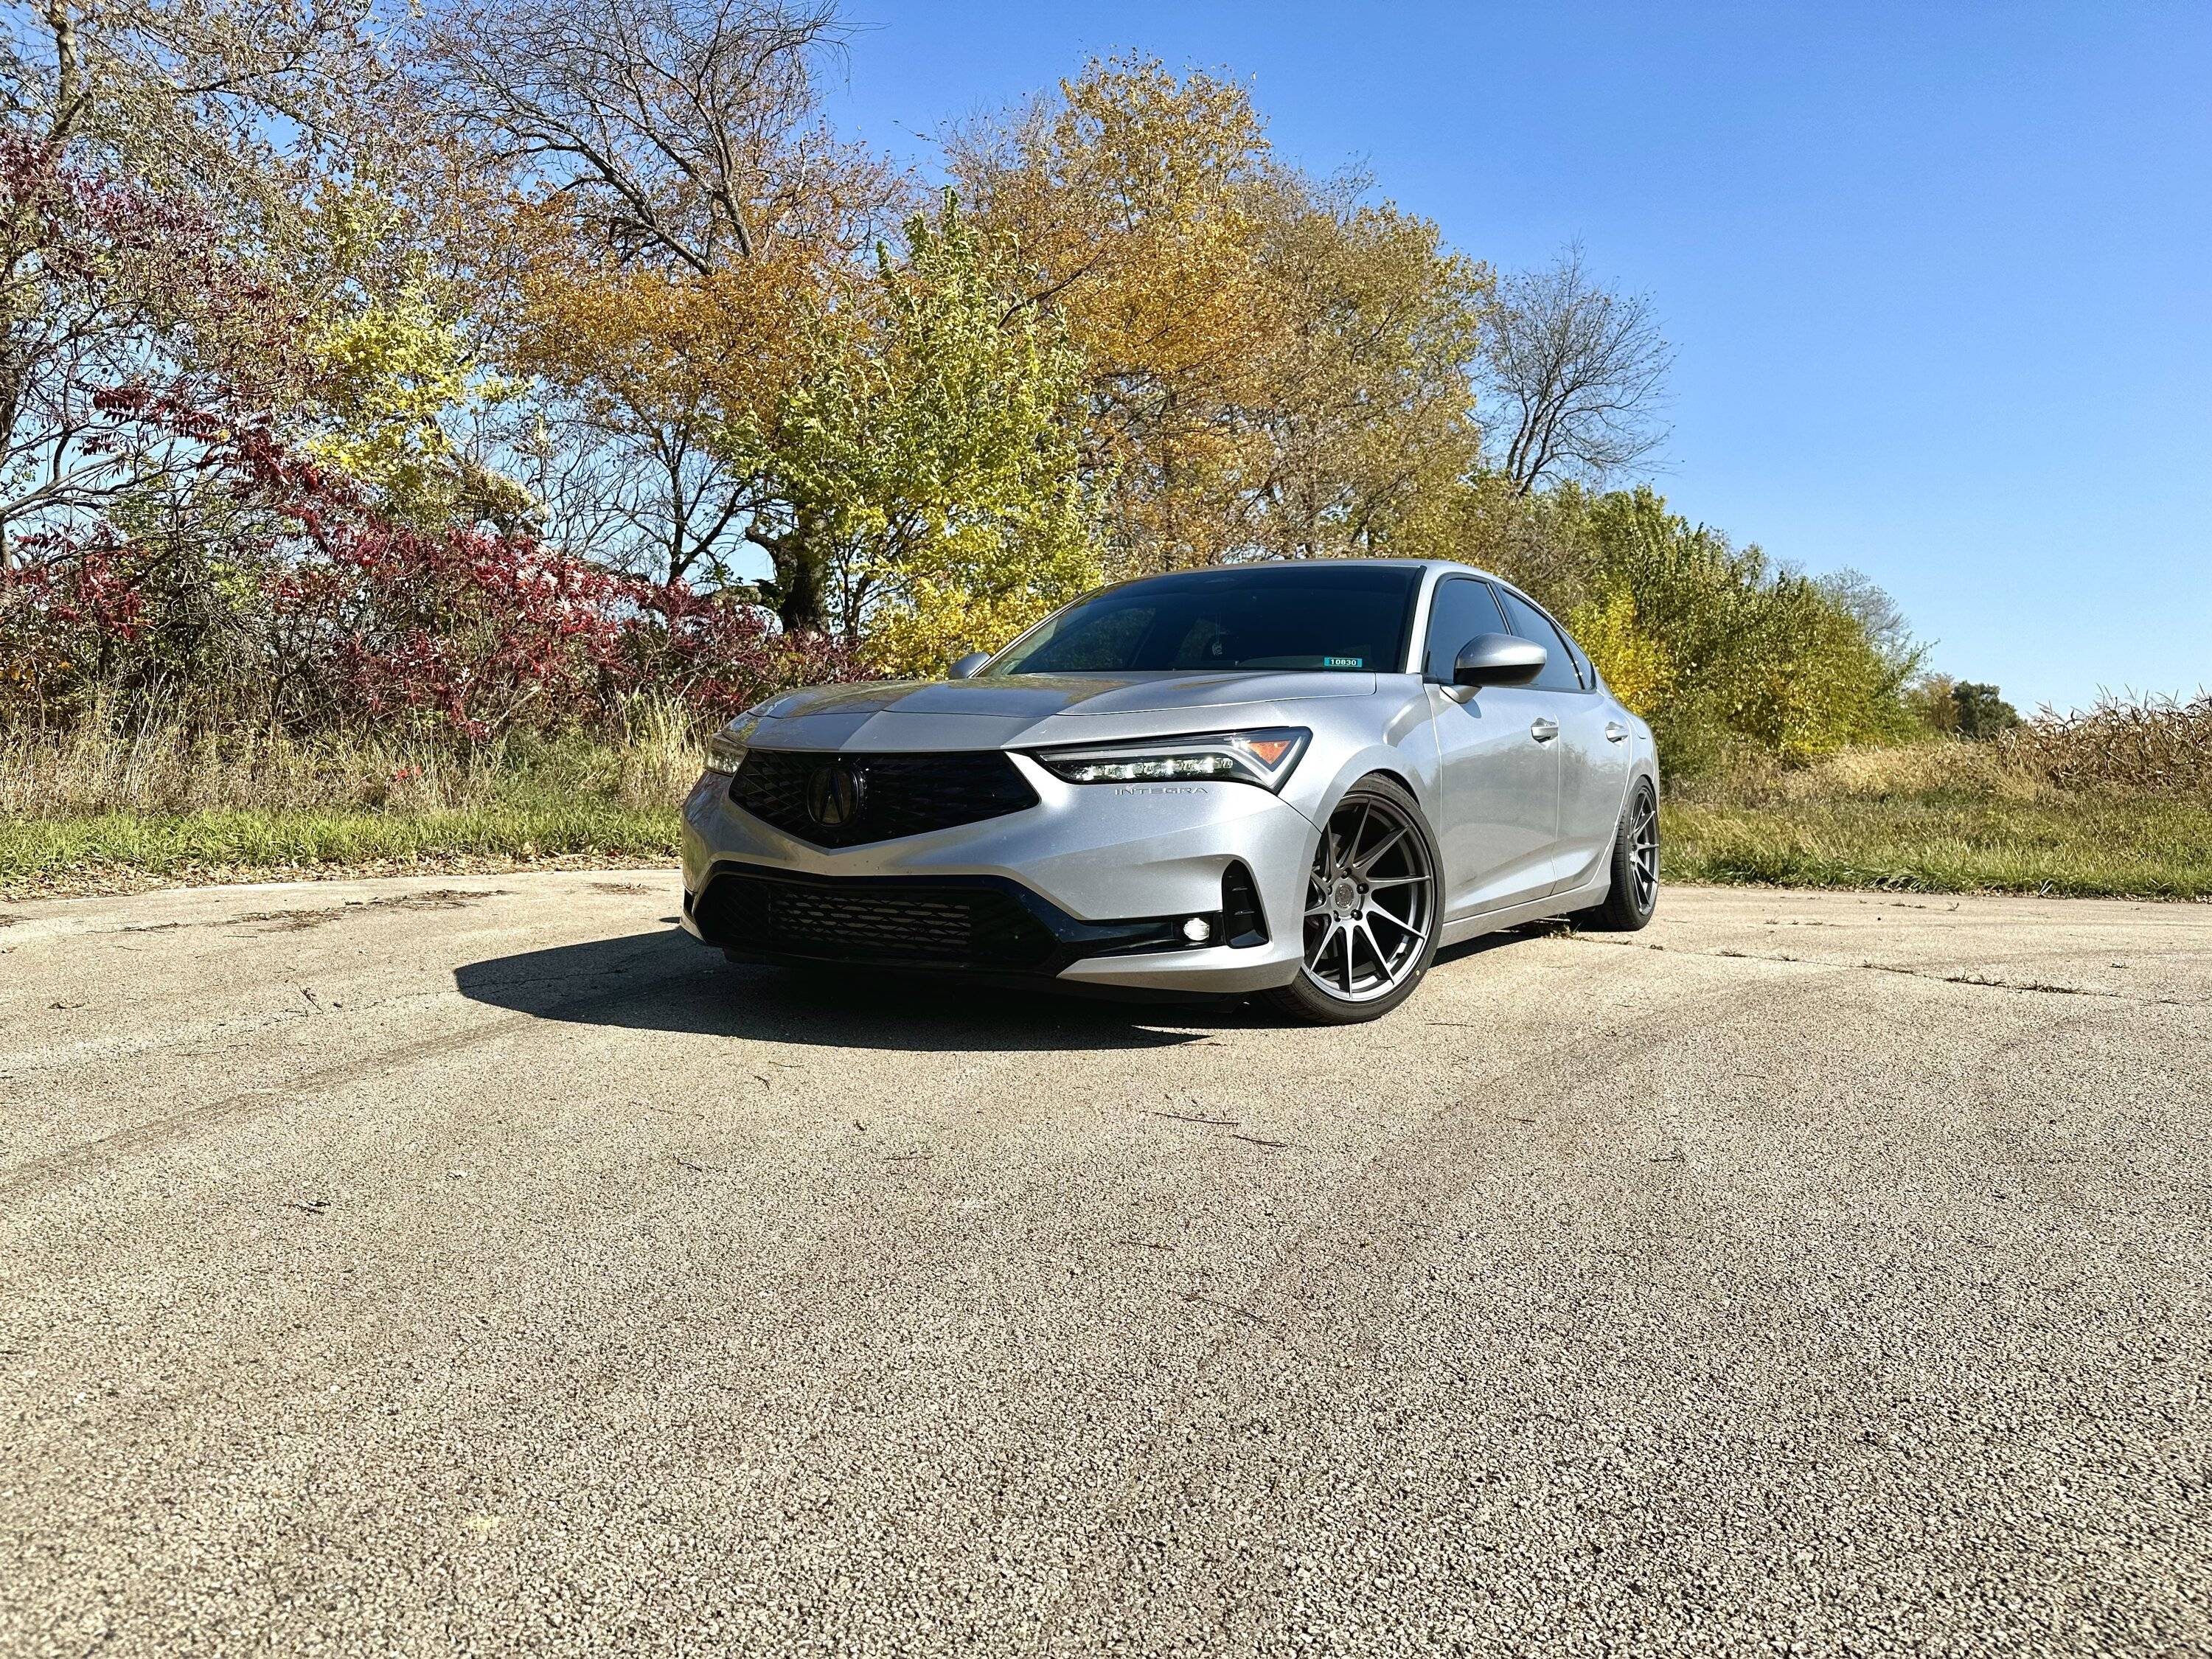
[(908, 923)]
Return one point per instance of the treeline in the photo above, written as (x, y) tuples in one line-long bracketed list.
[(464, 365)]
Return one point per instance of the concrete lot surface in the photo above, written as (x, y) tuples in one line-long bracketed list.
[(477, 1265)]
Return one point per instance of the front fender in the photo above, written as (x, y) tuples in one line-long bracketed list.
[(1410, 756)]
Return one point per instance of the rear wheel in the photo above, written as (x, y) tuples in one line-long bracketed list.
[(1373, 906), (1635, 892)]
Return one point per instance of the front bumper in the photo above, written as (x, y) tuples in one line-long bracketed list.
[(1091, 886)]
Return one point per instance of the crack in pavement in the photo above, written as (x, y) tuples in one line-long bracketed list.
[(1980, 981), (1267, 1300)]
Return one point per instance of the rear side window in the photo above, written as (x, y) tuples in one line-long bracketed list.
[(1461, 609), (1560, 670)]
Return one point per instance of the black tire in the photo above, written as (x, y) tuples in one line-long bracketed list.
[(1635, 895), (1377, 842)]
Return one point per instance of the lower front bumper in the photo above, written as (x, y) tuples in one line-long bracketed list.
[(971, 924)]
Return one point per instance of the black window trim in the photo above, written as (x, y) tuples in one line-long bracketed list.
[(1429, 619), (1576, 656)]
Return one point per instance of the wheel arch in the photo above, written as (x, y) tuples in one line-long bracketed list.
[(1383, 761)]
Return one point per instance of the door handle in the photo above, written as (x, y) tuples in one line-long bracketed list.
[(1615, 731), (1544, 731)]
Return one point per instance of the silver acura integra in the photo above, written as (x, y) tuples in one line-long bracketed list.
[(1297, 780)]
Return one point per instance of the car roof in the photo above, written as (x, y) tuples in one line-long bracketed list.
[(1331, 562)]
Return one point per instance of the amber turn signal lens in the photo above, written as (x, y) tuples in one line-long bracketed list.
[(1269, 751)]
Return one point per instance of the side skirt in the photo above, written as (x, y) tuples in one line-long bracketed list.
[(1586, 896)]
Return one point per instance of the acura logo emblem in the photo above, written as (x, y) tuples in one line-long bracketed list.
[(833, 795)]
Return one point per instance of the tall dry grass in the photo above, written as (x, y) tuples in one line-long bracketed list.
[(2117, 801), (1883, 772), (168, 768), (2162, 745)]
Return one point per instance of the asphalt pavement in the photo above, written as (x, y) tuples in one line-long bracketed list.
[(478, 1265)]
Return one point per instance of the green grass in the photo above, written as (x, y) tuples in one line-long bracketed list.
[(61, 852), (1944, 841)]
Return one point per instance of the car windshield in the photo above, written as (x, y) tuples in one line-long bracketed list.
[(1330, 618)]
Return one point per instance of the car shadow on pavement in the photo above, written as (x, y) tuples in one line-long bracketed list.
[(1486, 942), (665, 981)]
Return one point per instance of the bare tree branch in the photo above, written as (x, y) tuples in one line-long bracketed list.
[(684, 124), (1581, 372)]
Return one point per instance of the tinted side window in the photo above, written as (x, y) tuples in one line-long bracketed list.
[(1461, 609), (1531, 623)]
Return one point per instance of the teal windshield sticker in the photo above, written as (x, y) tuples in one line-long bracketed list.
[(1344, 662)]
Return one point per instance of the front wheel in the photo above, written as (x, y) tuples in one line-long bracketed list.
[(1635, 892), (1373, 909)]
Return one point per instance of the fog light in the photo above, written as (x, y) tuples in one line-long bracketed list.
[(1198, 930)]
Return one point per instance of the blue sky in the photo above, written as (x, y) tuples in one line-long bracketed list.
[(1936, 273)]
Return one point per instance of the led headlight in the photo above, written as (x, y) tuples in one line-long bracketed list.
[(1265, 757)]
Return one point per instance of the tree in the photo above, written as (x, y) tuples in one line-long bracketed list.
[(1540, 541), (1275, 367), (1132, 203), (1580, 372), (157, 162), (114, 300), (637, 371), (687, 131), (1368, 410), (387, 374), (684, 215), (209, 100), (940, 455), (1927, 700), (1982, 713), (1884, 619), (1722, 649)]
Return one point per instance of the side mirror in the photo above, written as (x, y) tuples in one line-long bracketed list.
[(1498, 659), (966, 667)]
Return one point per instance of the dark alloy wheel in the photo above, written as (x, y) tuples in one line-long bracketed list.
[(1372, 909), (1635, 894)]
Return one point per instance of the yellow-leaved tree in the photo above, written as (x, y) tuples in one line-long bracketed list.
[(1271, 366), (1369, 407), (644, 369), (682, 222), (387, 372), (937, 451), (1133, 202), (1636, 666), (1719, 649)]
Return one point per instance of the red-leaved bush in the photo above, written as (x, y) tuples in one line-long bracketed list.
[(288, 601)]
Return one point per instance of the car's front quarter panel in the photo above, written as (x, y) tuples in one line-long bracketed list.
[(1390, 732)]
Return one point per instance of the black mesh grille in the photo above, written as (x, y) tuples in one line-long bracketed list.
[(899, 795), (846, 920)]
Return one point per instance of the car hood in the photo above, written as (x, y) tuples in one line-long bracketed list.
[(913, 715)]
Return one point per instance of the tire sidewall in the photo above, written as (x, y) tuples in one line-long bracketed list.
[(1629, 912)]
